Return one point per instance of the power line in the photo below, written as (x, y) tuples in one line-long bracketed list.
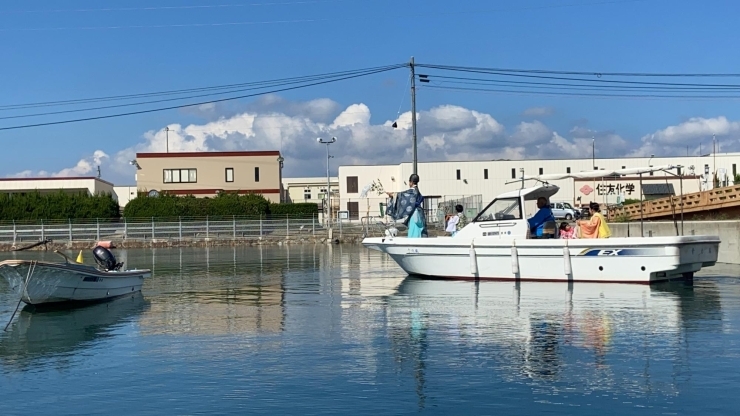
[(272, 85), (601, 83), (376, 71), (502, 71), (486, 90)]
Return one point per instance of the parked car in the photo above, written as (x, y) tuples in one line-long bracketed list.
[(564, 210)]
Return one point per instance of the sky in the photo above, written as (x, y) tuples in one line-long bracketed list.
[(57, 50)]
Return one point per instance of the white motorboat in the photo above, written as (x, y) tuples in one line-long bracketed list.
[(497, 245), (41, 282)]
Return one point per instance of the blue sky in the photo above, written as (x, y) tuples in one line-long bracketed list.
[(57, 50)]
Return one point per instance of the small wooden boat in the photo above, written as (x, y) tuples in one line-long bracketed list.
[(41, 282)]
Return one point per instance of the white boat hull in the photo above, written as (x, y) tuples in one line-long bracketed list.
[(624, 260), (68, 282)]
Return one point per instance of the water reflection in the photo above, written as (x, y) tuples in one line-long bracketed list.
[(326, 329), (40, 334), (235, 290), (624, 339)]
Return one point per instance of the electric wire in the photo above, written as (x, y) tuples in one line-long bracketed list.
[(58, 122), (175, 99)]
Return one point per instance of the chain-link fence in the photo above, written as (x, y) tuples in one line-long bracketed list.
[(472, 205), (172, 228)]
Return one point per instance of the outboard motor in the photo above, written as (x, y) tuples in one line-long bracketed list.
[(105, 259)]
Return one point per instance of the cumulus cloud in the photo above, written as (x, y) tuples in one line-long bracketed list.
[(445, 132), (675, 139), (538, 112), (84, 167)]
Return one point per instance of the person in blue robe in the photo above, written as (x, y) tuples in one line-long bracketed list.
[(409, 206)]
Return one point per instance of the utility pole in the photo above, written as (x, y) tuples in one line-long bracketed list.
[(167, 132), (328, 184), (413, 110), (593, 152), (714, 161)]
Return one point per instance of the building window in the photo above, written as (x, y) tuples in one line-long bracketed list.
[(596, 168), (624, 167), (229, 174), (734, 170), (256, 174), (567, 170), (458, 174), (485, 173), (513, 173), (679, 171), (180, 175), (306, 194), (352, 185), (542, 171)]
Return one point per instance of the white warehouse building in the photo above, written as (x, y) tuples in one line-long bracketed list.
[(467, 182)]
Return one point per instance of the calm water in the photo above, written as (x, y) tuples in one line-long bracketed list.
[(315, 330)]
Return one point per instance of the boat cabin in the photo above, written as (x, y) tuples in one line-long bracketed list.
[(506, 216)]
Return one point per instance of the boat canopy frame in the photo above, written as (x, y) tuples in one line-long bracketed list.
[(613, 173)]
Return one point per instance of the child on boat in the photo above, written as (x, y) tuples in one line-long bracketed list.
[(457, 222), (566, 231)]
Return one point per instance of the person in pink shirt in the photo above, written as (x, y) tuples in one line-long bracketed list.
[(567, 232)]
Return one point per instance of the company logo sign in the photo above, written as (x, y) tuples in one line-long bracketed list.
[(586, 190)]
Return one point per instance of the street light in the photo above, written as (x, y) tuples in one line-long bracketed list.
[(280, 160), (167, 133), (328, 182), (135, 163)]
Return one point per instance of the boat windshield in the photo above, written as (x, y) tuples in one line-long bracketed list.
[(501, 210)]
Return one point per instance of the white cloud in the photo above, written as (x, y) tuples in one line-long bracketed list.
[(445, 132), (84, 167), (691, 133)]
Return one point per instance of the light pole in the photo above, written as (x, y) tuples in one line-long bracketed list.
[(714, 161), (328, 182), (280, 161), (167, 133)]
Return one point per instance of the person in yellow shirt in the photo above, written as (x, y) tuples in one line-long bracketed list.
[(596, 227)]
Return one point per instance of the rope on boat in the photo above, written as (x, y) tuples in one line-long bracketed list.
[(31, 269), (36, 244)]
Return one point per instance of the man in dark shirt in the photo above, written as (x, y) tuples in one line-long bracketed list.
[(537, 222)]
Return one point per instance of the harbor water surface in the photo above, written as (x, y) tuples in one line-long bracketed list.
[(342, 330)]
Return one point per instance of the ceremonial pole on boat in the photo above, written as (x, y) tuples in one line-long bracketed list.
[(413, 110)]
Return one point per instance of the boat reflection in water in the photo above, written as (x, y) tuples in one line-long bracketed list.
[(44, 333), (584, 337)]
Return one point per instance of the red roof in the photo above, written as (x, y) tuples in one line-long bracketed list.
[(209, 154)]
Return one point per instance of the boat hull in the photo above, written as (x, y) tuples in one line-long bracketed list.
[(623, 260), (59, 282)]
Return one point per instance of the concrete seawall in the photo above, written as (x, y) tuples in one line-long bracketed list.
[(728, 232)]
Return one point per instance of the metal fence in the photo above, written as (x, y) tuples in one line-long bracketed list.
[(472, 205), (170, 228)]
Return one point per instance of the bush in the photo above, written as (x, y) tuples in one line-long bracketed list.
[(303, 209), (55, 206), (225, 204)]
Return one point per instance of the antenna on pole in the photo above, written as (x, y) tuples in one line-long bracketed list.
[(413, 110), (98, 171)]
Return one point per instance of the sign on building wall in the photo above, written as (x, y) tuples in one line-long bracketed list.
[(615, 189)]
